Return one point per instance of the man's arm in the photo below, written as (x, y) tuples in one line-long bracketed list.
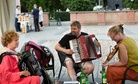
[(59, 48)]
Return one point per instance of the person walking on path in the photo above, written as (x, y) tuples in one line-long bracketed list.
[(36, 18), (41, 18)]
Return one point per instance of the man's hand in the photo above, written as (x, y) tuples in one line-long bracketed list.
[(18, 14), (69, 51), (104, 64), (97, 44)]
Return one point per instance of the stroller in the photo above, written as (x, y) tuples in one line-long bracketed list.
[(36, 59)]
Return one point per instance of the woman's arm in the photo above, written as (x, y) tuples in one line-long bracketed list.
[(123, 57)]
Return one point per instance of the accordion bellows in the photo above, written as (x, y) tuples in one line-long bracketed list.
[(85, 48)]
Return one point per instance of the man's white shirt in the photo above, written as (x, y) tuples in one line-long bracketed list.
[(17, 12)]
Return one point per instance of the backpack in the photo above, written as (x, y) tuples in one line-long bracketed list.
[(43, 53), (29, 61)]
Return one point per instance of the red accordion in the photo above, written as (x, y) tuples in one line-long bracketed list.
[(85, 48)]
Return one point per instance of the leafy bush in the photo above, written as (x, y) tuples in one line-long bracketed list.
[(64, 16)]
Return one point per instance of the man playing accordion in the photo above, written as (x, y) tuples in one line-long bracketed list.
[(63, 47)]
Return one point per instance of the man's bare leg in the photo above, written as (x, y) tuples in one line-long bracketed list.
[(71, 71)]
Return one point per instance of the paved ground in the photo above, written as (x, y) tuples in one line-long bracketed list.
[(51, 34)]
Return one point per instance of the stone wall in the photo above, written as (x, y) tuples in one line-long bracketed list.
[(46, 18), (105, 17)]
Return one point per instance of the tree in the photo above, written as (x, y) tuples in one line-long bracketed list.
[(135, 6), (130, 4), (78, 5), (74, 5), (27, 5), (53, 5)]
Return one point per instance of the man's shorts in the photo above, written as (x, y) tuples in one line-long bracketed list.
[(80, 65)]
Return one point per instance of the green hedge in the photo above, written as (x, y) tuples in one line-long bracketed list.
[(64, 16)]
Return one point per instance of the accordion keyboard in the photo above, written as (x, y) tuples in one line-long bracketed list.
[(74, 47)]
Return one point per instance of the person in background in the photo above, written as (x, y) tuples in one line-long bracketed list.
[(63, 47), (17, 24), (127, 54), (36, 18), (41, 18), (9, 70)]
